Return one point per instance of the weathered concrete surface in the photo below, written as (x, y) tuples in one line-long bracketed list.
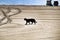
[(47, 27)]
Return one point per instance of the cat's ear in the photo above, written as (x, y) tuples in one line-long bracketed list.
[(25, 18)]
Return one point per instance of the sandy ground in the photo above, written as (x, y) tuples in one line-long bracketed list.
[(47, 27)]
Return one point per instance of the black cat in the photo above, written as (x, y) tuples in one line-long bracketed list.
[(30, 21)]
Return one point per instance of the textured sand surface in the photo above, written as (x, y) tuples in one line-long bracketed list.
[(47, 27)]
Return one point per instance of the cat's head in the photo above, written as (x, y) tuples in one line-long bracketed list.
[(25, 18)]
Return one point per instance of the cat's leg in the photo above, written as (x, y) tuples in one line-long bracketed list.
[(26, 23), (35, 22), (31, 22)]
